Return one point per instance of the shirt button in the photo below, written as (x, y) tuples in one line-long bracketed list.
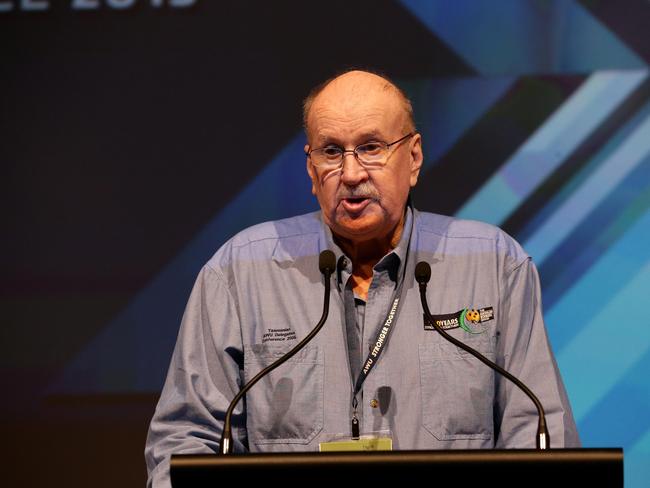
[(374, 403)]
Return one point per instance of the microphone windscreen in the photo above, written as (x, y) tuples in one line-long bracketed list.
[(422, 272), (327, 262)]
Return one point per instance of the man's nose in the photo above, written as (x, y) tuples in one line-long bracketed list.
[(352, 171)]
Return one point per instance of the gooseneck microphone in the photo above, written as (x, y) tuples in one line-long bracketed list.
[(422, 276), (327, 265)]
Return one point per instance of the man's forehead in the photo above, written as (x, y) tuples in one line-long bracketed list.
[(329, 124), (344, 128)]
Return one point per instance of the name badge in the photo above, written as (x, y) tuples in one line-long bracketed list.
[(364, 443)]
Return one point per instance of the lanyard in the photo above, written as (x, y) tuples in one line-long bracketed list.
[(380, 343)]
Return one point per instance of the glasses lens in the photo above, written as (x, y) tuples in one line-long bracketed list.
[(327, 156), (372, 153)]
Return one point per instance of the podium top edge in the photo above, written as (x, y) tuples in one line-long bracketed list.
[(583, 455)]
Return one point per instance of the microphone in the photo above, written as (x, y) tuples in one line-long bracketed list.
[(327, 266), (422, 276)]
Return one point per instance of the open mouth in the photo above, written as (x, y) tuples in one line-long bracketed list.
[(355, 204), (356, 200)]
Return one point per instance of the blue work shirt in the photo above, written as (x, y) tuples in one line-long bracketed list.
[(262, 292)]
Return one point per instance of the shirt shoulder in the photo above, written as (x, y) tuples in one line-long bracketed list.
[(285, 238), (463, 235)]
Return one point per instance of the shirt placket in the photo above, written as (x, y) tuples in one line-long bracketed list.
[(379, 300)]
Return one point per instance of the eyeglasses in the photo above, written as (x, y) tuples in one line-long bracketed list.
[(372, 154)]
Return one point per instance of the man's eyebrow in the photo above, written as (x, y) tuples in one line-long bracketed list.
[(327, 139), (373, 134)]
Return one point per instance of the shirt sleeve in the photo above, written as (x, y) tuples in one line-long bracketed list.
[(523, 349), (205, 373)]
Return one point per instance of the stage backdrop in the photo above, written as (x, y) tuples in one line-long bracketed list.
[(137, 136)]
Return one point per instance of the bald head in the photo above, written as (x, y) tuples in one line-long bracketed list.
[(353, 87)]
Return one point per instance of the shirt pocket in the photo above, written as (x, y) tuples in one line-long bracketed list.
[(457, 390), (286, 406)]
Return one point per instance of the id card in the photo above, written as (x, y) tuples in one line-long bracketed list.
[(364, 443)]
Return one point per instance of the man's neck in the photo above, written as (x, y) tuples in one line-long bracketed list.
[(366, 254)]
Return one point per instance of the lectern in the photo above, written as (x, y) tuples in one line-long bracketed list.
[(583, 468)]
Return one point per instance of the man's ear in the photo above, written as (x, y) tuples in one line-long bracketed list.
[(417, 158), (311, 172)]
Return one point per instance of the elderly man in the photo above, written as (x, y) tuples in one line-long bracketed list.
[(261, 293)]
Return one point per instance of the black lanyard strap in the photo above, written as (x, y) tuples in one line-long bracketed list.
[(380, 342)]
